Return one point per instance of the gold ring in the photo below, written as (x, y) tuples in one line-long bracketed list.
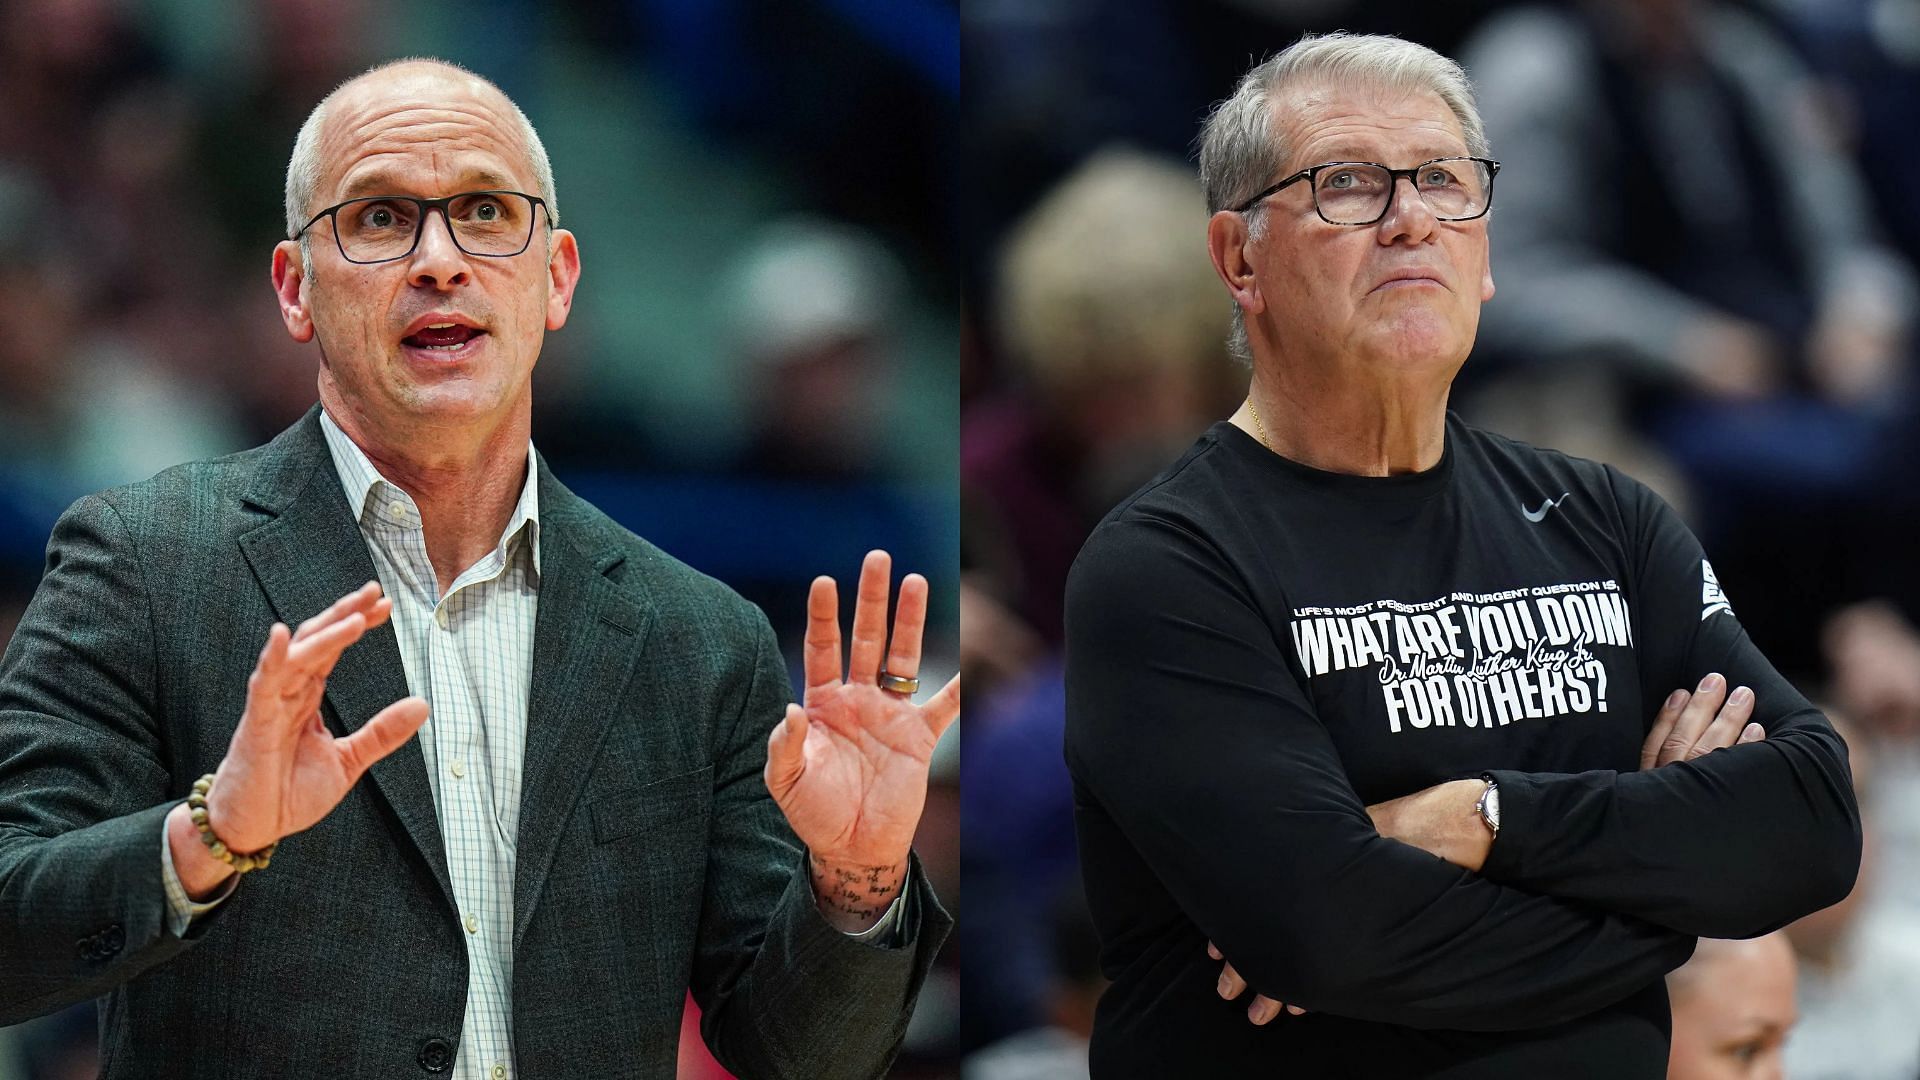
[(904, 685)]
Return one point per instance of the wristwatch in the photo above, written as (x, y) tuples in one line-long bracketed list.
[(1489, 804)]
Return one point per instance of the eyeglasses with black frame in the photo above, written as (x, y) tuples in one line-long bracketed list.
[(382, 228), (1359, 192)]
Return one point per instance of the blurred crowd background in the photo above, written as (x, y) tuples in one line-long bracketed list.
[(1704, 242), (759, 371)]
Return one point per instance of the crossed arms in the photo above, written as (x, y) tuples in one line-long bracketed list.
[(1188, 728)]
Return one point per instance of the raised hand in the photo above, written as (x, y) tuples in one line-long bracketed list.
[(848, 766), (284, 770)]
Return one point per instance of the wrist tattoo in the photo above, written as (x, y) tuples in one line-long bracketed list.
[(861, 891)]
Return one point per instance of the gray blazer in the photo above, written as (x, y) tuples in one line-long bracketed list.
[(650, 856)]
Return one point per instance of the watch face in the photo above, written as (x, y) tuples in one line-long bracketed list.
[(1493, 806)]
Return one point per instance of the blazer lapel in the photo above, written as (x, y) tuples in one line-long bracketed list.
[(587, 639), (309, 554)]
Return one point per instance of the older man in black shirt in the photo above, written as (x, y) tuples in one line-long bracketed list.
[(1372, 700)]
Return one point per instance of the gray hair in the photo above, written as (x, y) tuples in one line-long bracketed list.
[(303, 169), (1241, 149)]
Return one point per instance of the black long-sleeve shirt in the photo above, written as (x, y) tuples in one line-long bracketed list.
[(1257, 650)]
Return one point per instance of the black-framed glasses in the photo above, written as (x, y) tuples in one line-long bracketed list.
[(1359, 192), (382, 228)]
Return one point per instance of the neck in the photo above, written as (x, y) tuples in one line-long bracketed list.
[(465, 480), (1346, 425)]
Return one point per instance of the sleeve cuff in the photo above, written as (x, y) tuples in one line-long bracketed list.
[(886, 932), (182, 909), (1508, 852)]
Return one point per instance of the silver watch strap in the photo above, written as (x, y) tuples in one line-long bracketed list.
[(1488, 805)]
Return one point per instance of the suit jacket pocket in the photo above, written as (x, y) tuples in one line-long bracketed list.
[(649, 807)]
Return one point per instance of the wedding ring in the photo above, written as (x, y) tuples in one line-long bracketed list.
[(904, 685)]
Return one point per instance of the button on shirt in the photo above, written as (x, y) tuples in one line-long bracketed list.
[(469, 652)]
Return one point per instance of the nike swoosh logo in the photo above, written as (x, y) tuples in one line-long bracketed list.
[(1536, 516)]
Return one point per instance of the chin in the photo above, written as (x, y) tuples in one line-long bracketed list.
[(449, 402), (1421, 343), (472, 388)]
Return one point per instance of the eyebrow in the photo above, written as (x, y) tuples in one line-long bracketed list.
[(384, 183), (1347, 152), (1754, 1027)]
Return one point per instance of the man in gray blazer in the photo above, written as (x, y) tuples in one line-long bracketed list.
[(605, 804)]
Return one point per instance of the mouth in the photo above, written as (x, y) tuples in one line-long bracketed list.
[(1405, 282), (443, 341)]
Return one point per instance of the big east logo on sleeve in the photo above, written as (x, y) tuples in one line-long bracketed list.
[(1712, 599)]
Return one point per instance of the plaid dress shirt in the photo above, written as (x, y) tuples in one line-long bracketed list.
[(469, 652)]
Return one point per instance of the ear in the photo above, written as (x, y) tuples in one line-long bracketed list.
[(289, 283), (1227, 239), (1486, 275), (563, 273)]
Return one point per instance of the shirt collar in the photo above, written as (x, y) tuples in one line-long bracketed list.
[(358, 478)]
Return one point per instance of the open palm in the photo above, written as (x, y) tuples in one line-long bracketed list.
[(848, 766), (284, 770)]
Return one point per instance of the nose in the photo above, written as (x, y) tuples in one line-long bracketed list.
[(1408, 215), (437, 262)]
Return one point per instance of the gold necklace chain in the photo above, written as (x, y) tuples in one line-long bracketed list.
[(1257, 425)]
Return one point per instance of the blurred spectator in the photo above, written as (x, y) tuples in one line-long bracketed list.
[(86, 398), (1057, 1050), (1732, 1010), (1869, 51), (995, 645), (1673, 203), (1016, 829), (810, 306), (1874, 654), (933, 1035), (1676, 209), (1114, 321), (59, 61), (1858, 974), (292, 53)]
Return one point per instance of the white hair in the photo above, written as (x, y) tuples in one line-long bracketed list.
[(1241, 149), (303, 169)]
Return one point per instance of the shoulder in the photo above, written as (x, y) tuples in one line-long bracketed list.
[(192, 503), (1509, 450), (1481, 452), (1173, 508), (1175, 538), (1185, 492), (1489, 459)]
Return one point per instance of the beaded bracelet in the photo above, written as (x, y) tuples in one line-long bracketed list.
[(197, 807)]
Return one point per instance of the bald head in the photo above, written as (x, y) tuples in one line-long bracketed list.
[(1718, 961), (427, 350), (1733, 1005), (336, 122)]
